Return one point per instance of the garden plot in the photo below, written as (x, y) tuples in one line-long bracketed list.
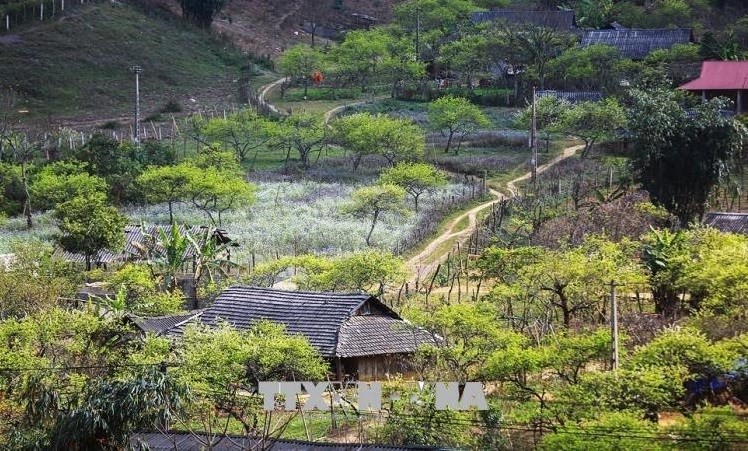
[(288, 218)]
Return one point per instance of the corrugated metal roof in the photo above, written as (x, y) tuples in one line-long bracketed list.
[(135, 234), (184, 441), (572, 96), (636, 43), (368, 335), (728, 222), (720, 75), (160, 324), (557, 19)]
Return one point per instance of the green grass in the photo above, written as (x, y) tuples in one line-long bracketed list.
[(79, 66)]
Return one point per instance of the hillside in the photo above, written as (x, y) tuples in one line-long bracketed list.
[(79, 66), (267, 27)]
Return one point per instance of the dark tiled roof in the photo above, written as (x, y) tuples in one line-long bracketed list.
[(728, 222), (559, 20), (134, 235), (160, 324), (636, 43), (318, 316), (183, 441), (367, 335)]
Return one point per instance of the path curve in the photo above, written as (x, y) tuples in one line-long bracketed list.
[(265, 90), (425, 263)]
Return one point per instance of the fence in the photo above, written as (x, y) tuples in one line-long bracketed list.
[(15, 13)]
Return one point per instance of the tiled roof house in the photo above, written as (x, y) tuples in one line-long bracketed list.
[(561, 20), (637, 43), (357, 333)]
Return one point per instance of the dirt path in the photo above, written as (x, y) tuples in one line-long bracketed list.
[(264, 91), (425, 262)]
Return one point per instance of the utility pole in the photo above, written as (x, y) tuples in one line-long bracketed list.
[(533, 140), (137, 70), (418, 30), (614, 323)]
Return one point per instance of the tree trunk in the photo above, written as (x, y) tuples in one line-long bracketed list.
[(449, 141), (373, 223), (171, 213)]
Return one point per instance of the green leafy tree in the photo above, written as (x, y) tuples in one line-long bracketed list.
[(455, 117), (243, 132), (715, 273), (374, 201), (165, 252), (218, 191), (88, 225), (663, 253), (12, 189), (140, 291), (462, 56), (61, 181), (415, 178), (680, 155), (400, 65), (428, 22), (84, 347), (34, 280), (574, 282), (360, 54), (366, 134), (225, 365), (299, 62), (593, 122), (370, 271), (413, 420), (110, 411), (531, 47), (587, 68), (169, 184), (302, 133), (548, 113), (468, 334), (201, 12)]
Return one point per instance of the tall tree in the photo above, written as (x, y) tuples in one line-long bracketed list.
[(392, 138), (373, 201), (593, 121), (299, 62), (415, 178), (682, 155), (61, 181), (89, 225), (201, 12), (455, 117), (170, 184)]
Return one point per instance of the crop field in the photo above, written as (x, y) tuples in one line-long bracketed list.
[(288, 218)]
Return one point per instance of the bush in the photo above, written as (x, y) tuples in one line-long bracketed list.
[(172, 106)]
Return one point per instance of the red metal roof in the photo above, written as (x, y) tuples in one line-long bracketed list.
[(720, 75)]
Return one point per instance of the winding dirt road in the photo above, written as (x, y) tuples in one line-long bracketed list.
[(425, 262)]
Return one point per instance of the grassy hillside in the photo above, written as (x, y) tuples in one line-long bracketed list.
[(79, 66)]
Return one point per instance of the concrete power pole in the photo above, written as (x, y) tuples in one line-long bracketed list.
[(534, 140), (137, 70), (614, 323)]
